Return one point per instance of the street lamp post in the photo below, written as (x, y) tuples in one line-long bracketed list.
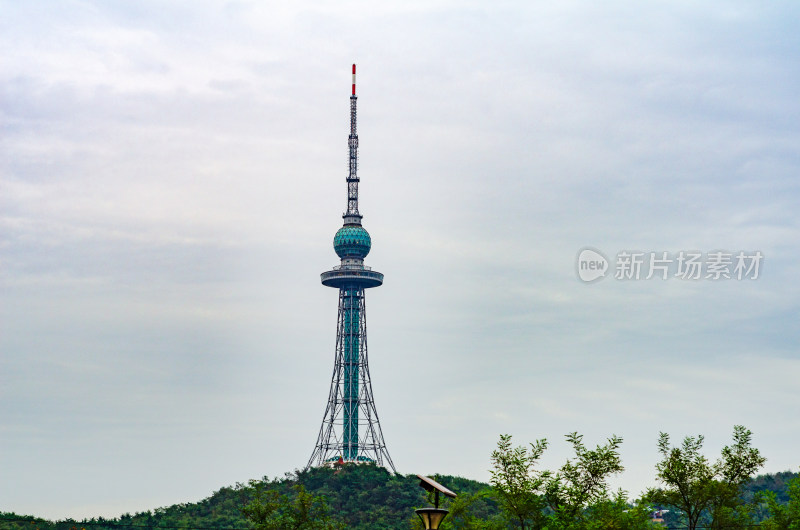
[(433, 517)]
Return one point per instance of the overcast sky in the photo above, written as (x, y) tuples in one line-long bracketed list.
[(172, 174)]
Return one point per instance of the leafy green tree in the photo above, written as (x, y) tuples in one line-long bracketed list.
[(577, 496), (582, 482), (617, 512), (466, 514), (518, 484), (775, 482), (269, 510), (705, 492), (783, 516)]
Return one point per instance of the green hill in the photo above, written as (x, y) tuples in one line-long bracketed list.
[(360, 496)]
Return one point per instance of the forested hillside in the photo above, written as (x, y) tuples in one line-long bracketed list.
[(359, 496), (362, 496)]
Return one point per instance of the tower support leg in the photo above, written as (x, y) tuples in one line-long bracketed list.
[(350, 427)]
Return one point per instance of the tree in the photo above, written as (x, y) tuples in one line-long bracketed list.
[(582, 482), (577, 496), (617, 512), (518, 485), (702, 491), (269, 510), (784, 516)]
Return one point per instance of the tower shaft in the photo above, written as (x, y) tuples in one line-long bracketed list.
[(350, 327), (350, 427)]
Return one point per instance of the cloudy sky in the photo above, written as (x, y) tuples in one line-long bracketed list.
[(172, 174)]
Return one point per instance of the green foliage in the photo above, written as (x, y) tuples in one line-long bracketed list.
[(361, 497), (575, 497), (707, 493), (783, 516), (583, 481), (777, 483), (269, 510), (616, 513), (686, 474), (469, 511), (474, 511), (13, 521), (517, 483), (365, 496)]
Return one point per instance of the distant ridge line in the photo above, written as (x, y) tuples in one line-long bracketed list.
[(76, 524)]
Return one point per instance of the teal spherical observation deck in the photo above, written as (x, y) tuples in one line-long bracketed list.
[(352, 242)]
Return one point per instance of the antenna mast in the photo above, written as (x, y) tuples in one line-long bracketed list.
[(352, 217)]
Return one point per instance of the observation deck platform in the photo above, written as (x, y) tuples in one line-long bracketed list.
[(351, 275)]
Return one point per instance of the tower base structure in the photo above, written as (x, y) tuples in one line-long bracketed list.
[(351, 431)]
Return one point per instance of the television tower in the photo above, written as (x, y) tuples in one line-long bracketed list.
[(350, 430)]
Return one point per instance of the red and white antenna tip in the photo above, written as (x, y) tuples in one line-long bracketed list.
[(354, 80)]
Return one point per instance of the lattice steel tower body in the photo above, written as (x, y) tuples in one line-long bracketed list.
[(350, 430)]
